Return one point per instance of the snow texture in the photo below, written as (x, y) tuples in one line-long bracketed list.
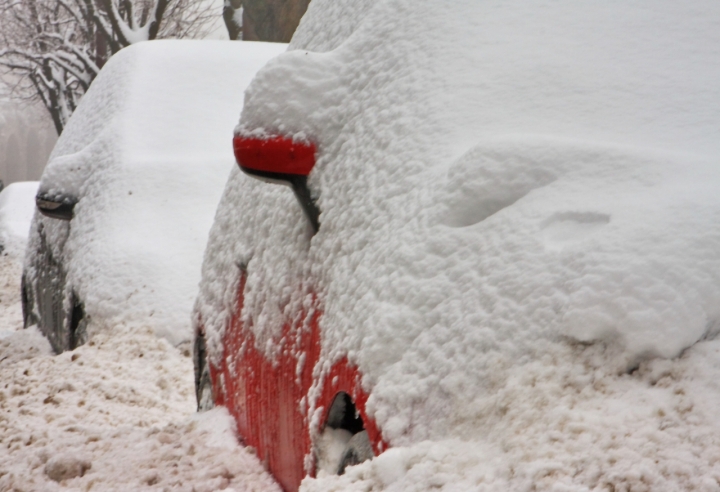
[(17, 205), (147, 153), (116, 414), (519, 242)]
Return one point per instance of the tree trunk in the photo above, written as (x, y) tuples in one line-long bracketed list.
[(230, 13), (272, 20)]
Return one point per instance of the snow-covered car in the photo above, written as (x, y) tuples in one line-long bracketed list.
[(508, 231), (130, 190)]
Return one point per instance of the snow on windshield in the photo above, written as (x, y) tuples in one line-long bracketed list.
[(519, 230)]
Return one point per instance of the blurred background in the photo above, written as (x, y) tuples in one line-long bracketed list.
[(51, 51)]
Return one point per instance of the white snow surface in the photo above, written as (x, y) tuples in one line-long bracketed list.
[(147, 152), (519, 242), (17, 205), (116, 414)]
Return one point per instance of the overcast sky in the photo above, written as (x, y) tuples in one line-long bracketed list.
[(26, 139)]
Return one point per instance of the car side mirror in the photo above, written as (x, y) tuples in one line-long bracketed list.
[(56, 207), (280, 160)]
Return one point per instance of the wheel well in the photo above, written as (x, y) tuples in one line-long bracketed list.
[(343, 414), (77, 334)]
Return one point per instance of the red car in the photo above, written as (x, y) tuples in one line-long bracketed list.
[(483, 194), (269, 397)]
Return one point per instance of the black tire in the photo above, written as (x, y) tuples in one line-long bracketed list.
[(203, 383), (48, 297), (357, 450), (78, 325), (28, 303)]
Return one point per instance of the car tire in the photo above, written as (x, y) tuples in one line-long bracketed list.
[(48, 296), (203, 383), (28, 303), (78, 325), (357, 450)]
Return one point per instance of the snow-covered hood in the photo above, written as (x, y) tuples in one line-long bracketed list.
[(505, 189)]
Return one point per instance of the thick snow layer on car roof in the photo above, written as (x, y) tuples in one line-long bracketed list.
[(17, 205), (519, 216), (147, 153)]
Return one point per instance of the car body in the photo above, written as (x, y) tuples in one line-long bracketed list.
[(496, 184), (129, 192)]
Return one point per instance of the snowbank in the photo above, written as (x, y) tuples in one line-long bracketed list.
[(17, 205), (520, 223), (147, 154), (114, 415)]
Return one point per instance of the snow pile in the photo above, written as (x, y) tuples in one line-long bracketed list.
[(114, 415), (147, 153), (561, 426), (17, 205), (520, 214)]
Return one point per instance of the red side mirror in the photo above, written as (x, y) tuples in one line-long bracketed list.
[(274, 158), (280, 160)]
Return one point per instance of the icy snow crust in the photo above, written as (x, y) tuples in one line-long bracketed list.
[(147, 152), (520, 230)]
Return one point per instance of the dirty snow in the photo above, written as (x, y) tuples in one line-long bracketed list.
[(519, 242), (117, 414)]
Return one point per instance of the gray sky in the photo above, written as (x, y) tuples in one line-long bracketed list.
[(26, 139)]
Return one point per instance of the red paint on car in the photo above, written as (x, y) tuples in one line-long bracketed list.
[(268, 398), (278, 155)]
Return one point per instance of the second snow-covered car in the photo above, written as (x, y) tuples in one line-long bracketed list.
[(130, 190)]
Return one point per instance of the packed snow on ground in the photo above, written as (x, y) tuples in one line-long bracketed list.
[(115, 415), (147, 153), (519, 242)]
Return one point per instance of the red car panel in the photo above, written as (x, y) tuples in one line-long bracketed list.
[(269, 398)]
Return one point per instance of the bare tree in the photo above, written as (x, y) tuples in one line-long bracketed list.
[(263, 20), (54, 49), (51, 48), (271, 20)]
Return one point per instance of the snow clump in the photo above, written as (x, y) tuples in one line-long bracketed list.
[(17, 205)]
